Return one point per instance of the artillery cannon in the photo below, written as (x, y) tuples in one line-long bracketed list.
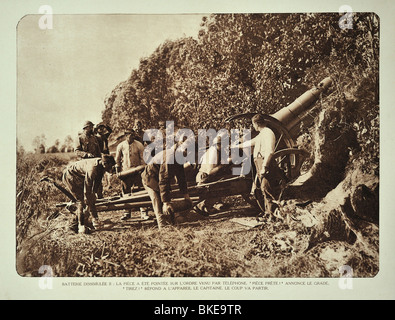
[(285, 123)]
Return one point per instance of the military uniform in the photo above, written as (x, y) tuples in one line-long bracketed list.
[(102, 137), (87, 146), (157, 177), (271, 182), (129, 155), (83, 179)]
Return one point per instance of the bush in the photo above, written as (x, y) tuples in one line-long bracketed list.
[(34, 198)]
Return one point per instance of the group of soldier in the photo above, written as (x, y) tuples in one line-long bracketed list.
[(84, 177)]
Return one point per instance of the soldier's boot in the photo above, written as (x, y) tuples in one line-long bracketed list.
[(126, 215), (81, 218), (203, 209), (96, 223), (162, 220), (144, 214)]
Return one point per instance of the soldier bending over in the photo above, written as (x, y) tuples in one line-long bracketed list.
[(157, 178), (83, 178)]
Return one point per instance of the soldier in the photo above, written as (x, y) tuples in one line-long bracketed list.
[(210, 160), (83, 178), (130, 154), (102, 132), (269, 175), (138, 129), (87, 145), (157, 177)]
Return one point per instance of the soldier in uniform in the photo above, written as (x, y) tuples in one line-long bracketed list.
[(83, 178), (138, 130), (130, 154), (87, 143), (157, 178), (102, 132), (268, 173), (208, 172)]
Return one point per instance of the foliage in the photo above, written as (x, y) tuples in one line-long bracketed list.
[(34, 198), (39, 143), (242, 63)]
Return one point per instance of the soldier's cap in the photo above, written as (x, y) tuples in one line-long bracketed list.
[(87, 124)]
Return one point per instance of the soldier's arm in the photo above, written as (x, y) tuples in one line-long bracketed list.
[(78, 149), (269, 142), (118, 158), (98, 147), (245, 144), (100, 143), (141, 153)]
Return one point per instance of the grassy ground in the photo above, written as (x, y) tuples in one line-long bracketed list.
[(215, 246)]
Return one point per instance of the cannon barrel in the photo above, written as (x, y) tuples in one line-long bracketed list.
[(289, 118), (292, 115), (131, 171)]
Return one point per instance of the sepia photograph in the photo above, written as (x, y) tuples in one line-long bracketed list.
[(234, 145)]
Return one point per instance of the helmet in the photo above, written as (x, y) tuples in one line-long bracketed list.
[(87, 124)]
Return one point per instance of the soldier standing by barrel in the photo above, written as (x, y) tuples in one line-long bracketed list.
[(88, 146), (210, 170), (102, 133), (138, 129), (269, 176)]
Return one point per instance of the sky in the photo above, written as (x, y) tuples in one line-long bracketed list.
[(65, 73)]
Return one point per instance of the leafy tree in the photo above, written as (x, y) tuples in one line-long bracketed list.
[(245, 63), (39, 143)]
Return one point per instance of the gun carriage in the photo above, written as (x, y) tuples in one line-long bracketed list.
[(285, 123)]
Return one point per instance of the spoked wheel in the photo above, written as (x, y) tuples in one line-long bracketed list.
[(290, 161)]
